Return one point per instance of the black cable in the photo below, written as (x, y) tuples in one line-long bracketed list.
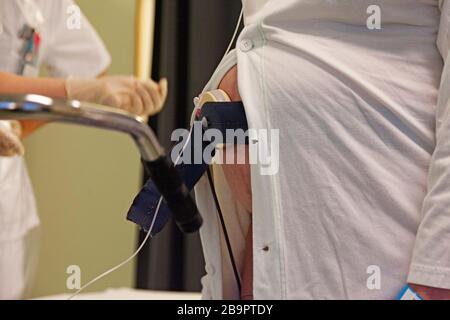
[(225, 232)]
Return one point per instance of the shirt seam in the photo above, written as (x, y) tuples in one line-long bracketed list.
[(275, 184), (430, 269), (431, 276)]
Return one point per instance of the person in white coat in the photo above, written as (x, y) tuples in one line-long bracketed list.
[(35, 33), (360, 204)]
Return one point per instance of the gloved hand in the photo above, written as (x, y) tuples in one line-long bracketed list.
[(143, 98), (10, 144)]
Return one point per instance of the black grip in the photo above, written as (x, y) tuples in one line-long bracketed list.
[(169, 184)]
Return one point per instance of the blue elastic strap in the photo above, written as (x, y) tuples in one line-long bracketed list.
[(219, 115)]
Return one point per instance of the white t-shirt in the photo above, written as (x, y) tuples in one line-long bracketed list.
[(356, 114), (77, 52)]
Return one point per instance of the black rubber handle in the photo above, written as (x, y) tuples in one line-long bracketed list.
[(175, 193)]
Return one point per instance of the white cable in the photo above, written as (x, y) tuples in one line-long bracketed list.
[(236, 29), (148, 236), (120, 265), (241, 15)]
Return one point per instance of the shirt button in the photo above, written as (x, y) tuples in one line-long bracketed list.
[(210, 269), (246, 45)]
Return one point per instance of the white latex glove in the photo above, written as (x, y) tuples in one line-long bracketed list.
[(143, 98), (10, 144)]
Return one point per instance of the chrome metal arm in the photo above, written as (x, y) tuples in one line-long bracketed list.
[(159, 167), (35, 107)]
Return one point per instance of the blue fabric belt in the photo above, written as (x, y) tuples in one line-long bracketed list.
[(213, 115)]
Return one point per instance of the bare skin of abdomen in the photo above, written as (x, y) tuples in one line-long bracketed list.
[(238, 178)]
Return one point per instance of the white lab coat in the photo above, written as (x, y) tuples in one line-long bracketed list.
[(65, 52), (431, 260), (362, 181)]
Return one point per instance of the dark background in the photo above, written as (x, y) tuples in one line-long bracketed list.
[(191, 37)]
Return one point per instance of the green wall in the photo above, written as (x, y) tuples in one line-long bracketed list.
[(85, 179)]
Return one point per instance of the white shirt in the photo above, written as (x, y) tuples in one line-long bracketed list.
[(66, 52), (356, 114)]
